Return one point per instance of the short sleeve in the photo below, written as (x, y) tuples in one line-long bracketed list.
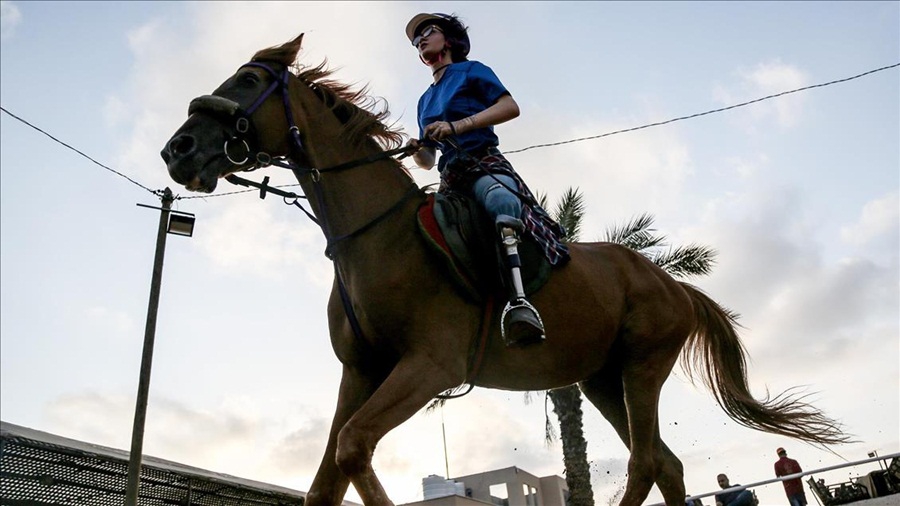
[(487, 82)]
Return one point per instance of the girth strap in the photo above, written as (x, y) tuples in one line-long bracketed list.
[(477, 356), (348, 306)]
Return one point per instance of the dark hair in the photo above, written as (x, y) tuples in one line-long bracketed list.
[(456, 34)]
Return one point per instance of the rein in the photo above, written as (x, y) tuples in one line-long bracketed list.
[(221, 106), (244, 127)]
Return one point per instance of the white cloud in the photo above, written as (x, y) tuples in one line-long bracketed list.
[(266, 238), (879, 218), (93, 417), (10, 18), (118, 322), (766, 79), (228, 438), (619, 176), (115, 111), (300, 451), (771, 270), (807, 317), (745, 168)]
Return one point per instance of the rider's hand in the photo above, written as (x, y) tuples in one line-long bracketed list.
[(439, 130), (423, 152), (414, 145)]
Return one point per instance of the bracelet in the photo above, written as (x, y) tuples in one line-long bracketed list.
[(452, 128)]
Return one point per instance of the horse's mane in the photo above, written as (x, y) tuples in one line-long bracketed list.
[(360, 113)]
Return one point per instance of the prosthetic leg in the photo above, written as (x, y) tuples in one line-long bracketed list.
[(520, 322)]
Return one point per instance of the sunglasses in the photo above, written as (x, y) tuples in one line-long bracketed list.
[(425, 33)]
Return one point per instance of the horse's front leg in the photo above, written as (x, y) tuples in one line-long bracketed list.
[(330, 484), (415, 380)]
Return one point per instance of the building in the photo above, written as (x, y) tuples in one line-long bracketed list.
[(510, 486)]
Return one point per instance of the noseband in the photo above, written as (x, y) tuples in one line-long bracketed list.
[(243, 122)]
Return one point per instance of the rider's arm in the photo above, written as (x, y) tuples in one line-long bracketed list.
[(504, 109)]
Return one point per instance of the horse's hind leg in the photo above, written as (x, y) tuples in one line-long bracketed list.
[(606, 393)]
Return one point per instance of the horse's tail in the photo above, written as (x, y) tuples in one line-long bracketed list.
[(714, 350)]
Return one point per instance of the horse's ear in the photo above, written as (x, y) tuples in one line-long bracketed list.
[(295, 45), (285, 53)]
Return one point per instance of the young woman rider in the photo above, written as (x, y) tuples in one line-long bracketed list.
[(456, 115)]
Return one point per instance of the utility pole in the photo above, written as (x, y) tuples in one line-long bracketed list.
[(140, 410), (444, 433)]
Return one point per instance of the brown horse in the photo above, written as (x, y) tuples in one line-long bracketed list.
[(616, 323)]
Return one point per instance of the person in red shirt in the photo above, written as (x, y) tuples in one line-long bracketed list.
[(793, 488)]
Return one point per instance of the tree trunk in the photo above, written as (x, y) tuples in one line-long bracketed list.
[(567, 407)]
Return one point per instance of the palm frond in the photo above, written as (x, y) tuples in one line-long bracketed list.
[(541, 198), (569, 213), (549, 430), (636, 234), (435, 403), (685, 261)]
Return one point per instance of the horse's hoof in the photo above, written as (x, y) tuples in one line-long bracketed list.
[(522, 327)]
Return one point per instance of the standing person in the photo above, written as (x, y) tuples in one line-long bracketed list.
[(793, 488), (736, 498), (456, 115)]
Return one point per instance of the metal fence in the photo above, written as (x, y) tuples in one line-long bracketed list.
[(38, 469), (833, 494)]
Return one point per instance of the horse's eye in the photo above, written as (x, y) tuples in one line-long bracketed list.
[(249, 78)]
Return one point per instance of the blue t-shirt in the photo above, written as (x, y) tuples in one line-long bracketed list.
[(465, 88)]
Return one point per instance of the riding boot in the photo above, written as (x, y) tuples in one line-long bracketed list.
[(520, 322)]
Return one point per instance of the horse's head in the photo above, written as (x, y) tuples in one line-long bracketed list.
[(226, 132)]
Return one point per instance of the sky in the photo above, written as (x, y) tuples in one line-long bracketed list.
[(799, 195)]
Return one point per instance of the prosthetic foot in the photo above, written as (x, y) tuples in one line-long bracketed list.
[(520, 322)]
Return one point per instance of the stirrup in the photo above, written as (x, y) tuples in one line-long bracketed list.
[(520, 324)]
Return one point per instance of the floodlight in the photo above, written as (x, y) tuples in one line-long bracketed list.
[(181, 224)]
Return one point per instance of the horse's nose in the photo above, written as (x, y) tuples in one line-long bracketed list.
[(179, 147)]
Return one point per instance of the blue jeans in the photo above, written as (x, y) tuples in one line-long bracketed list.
[(744, 498), (798, 499), (495, 199)]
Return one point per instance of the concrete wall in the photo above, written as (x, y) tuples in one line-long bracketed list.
[(522, 488), (450, 500), (554, 491)]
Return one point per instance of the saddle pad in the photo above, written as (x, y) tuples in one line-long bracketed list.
[(462, 274), (461, 236)]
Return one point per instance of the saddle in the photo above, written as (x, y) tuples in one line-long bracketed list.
[(463, 237)]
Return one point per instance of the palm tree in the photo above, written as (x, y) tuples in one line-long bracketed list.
[(691, 260)]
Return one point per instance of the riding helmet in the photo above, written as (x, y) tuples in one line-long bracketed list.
[(455, 32)]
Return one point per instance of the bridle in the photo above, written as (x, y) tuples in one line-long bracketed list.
[(244, 127), (246, 136)]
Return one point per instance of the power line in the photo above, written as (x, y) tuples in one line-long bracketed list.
[(114, 171), (702, 113), (219, 194), (570, 141)]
